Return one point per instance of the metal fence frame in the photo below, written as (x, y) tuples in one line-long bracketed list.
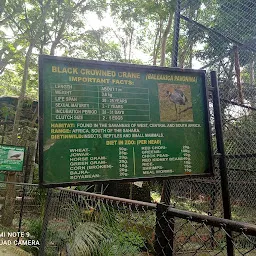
[(165, 228)]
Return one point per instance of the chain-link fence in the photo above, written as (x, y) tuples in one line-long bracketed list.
[(83, 223), (223, 42), (29, 202), (196, 234)]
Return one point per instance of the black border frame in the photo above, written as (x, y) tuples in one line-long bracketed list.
[(7, 145), (42, 58)]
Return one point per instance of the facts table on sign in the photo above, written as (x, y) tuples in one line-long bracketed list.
[(99, 103)]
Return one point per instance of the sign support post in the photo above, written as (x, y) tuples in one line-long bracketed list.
[(222, 159), (45, 222)]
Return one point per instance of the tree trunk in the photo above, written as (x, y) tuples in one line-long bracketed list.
[(63, 26), (190, 54), (60, 33), (238, 75), (33, 149), (154, 48), (164, 39), (3, 2), (22, 94), (182, 56), (252, 78), (130, 44), (9, 204), (31, 160), (10, 196), (125, 49), (191, 16), (157, 42)]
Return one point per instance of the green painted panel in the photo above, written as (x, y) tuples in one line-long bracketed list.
[(109, 121), (2, 177), (11, 158)]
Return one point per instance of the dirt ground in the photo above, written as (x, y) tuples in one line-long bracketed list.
[(12, 250)]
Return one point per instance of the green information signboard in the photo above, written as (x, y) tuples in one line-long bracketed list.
[(11, 158), (110, 121)]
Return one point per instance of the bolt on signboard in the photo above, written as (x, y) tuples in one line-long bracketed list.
[(11, 158), (104, 121)]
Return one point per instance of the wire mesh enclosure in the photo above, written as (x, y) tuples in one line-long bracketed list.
[(224, 42), (83, 223)]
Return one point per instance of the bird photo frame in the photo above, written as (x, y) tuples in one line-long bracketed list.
[(175, 103)]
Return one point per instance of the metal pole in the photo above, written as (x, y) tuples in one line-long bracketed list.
[(211, 213), (164, 230), (45, 223), (176, 35), (222, 159)]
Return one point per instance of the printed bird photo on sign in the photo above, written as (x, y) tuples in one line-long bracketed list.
[(175, 103), (15, 155)]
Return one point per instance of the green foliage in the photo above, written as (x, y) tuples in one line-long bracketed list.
[(155, 196), (35, 227), (121, 244), (118, 240), (7, 111), (40, 199), (85, 239), (96, 231), (92, 44), (130, 238)]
